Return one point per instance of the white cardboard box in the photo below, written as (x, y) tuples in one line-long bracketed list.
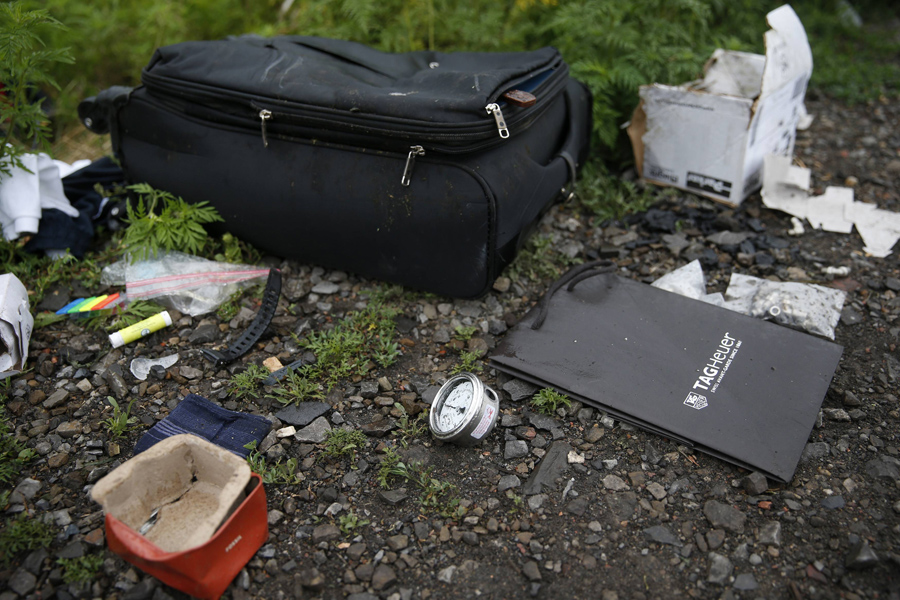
[(709, 136)]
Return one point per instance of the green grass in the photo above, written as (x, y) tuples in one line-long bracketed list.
[(21, 534), (121, 420), (409, 428), (83, 569), (344, 443), (13, 454), (277, 473), (548, 401), (350, 522), (434, 494), (469, 362), (248, 382)]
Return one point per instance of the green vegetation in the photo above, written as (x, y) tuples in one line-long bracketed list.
[(25, 70), (162, 221), (13, 453), (407, 428), (468, 362), (21, 534), (121, 420), (278, 473), (439, 496), (606, 197), (350, 522), (38, 273), (246, 384), (83, 569), (124, 316), (464, 333), (537, 260), (340, 442), (296, 388), (547, 401)]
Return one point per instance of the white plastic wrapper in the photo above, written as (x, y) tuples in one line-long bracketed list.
[(689, 281), (189, 284), (809, 307)]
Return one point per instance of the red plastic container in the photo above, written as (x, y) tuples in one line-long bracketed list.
[(207, 570)]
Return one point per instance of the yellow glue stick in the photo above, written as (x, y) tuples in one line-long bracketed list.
[(141, 329)]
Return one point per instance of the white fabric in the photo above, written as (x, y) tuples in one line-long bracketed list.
[(24, 195)]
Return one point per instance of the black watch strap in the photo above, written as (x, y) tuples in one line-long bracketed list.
[(252, 334)]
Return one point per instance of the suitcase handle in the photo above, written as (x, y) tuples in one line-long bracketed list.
[(571, 144), (95, 112)]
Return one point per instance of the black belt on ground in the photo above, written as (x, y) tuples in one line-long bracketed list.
[(251, 335)]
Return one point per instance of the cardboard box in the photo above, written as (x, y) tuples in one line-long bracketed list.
[(177, 493), (709, 136)]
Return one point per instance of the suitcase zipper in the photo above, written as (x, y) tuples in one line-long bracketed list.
[(414, 151), (494, 109), (264, 115)]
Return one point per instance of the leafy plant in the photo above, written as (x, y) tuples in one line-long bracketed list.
[(81, 569), (468, 362), (464, 333), (13, 453), (278, 473), (435, 494), (538, 261), (162, 221), (548, 400), (25, 63), (234, 250), (296, 388), (246, 384), (608, 197), (121, 420), (350, 522), (39, 272), (21, 534), (341, 442), (408, 428)]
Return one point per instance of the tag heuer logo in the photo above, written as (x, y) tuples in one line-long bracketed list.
[(695, 400)]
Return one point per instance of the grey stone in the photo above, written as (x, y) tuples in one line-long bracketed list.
[(191, 373), (861, 556), (25, 491), (728, 238), (851, 399), (722, 515), (511, 421), (532, 571), (72, 550), (303, 413), (507, 482), (22, 582), (614, 483), (661, 535), (815, 451), (755, 483), (578, 506), (275, 517), (34, 562), (445, 575), (515, 449), (837, 414), (315, 433), (658, 491), (398, 542), (833, 502), (325, 533), (326, 288), (142, 591), (539, 421), (393, 497), (69, 429), (383, 577), (850, 316), (519, 390), (770, 534), (882, 469), (715, 538), (720, 569), (379, 428), (56, 398), (745, 582), (204, 334), (116, 383), (622, 504), (553, 465)]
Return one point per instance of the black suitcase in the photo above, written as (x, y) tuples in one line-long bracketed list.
[(412, 168)]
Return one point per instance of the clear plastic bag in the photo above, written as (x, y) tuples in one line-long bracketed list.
[(189, 284), (809, 307)]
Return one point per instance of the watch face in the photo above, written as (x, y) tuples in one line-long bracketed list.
[(452, 411)]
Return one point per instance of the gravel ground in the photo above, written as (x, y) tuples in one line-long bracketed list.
[(627, 515)]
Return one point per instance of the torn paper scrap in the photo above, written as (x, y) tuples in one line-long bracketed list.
[(16, 324), (688, 281), (786, 188)]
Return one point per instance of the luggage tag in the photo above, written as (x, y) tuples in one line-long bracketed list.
[(520, 98)]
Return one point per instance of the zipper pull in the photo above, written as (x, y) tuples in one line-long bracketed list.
[(264, 115), (414, 151), (494, 109)]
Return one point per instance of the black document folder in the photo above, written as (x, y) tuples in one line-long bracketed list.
[(742, 389)]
